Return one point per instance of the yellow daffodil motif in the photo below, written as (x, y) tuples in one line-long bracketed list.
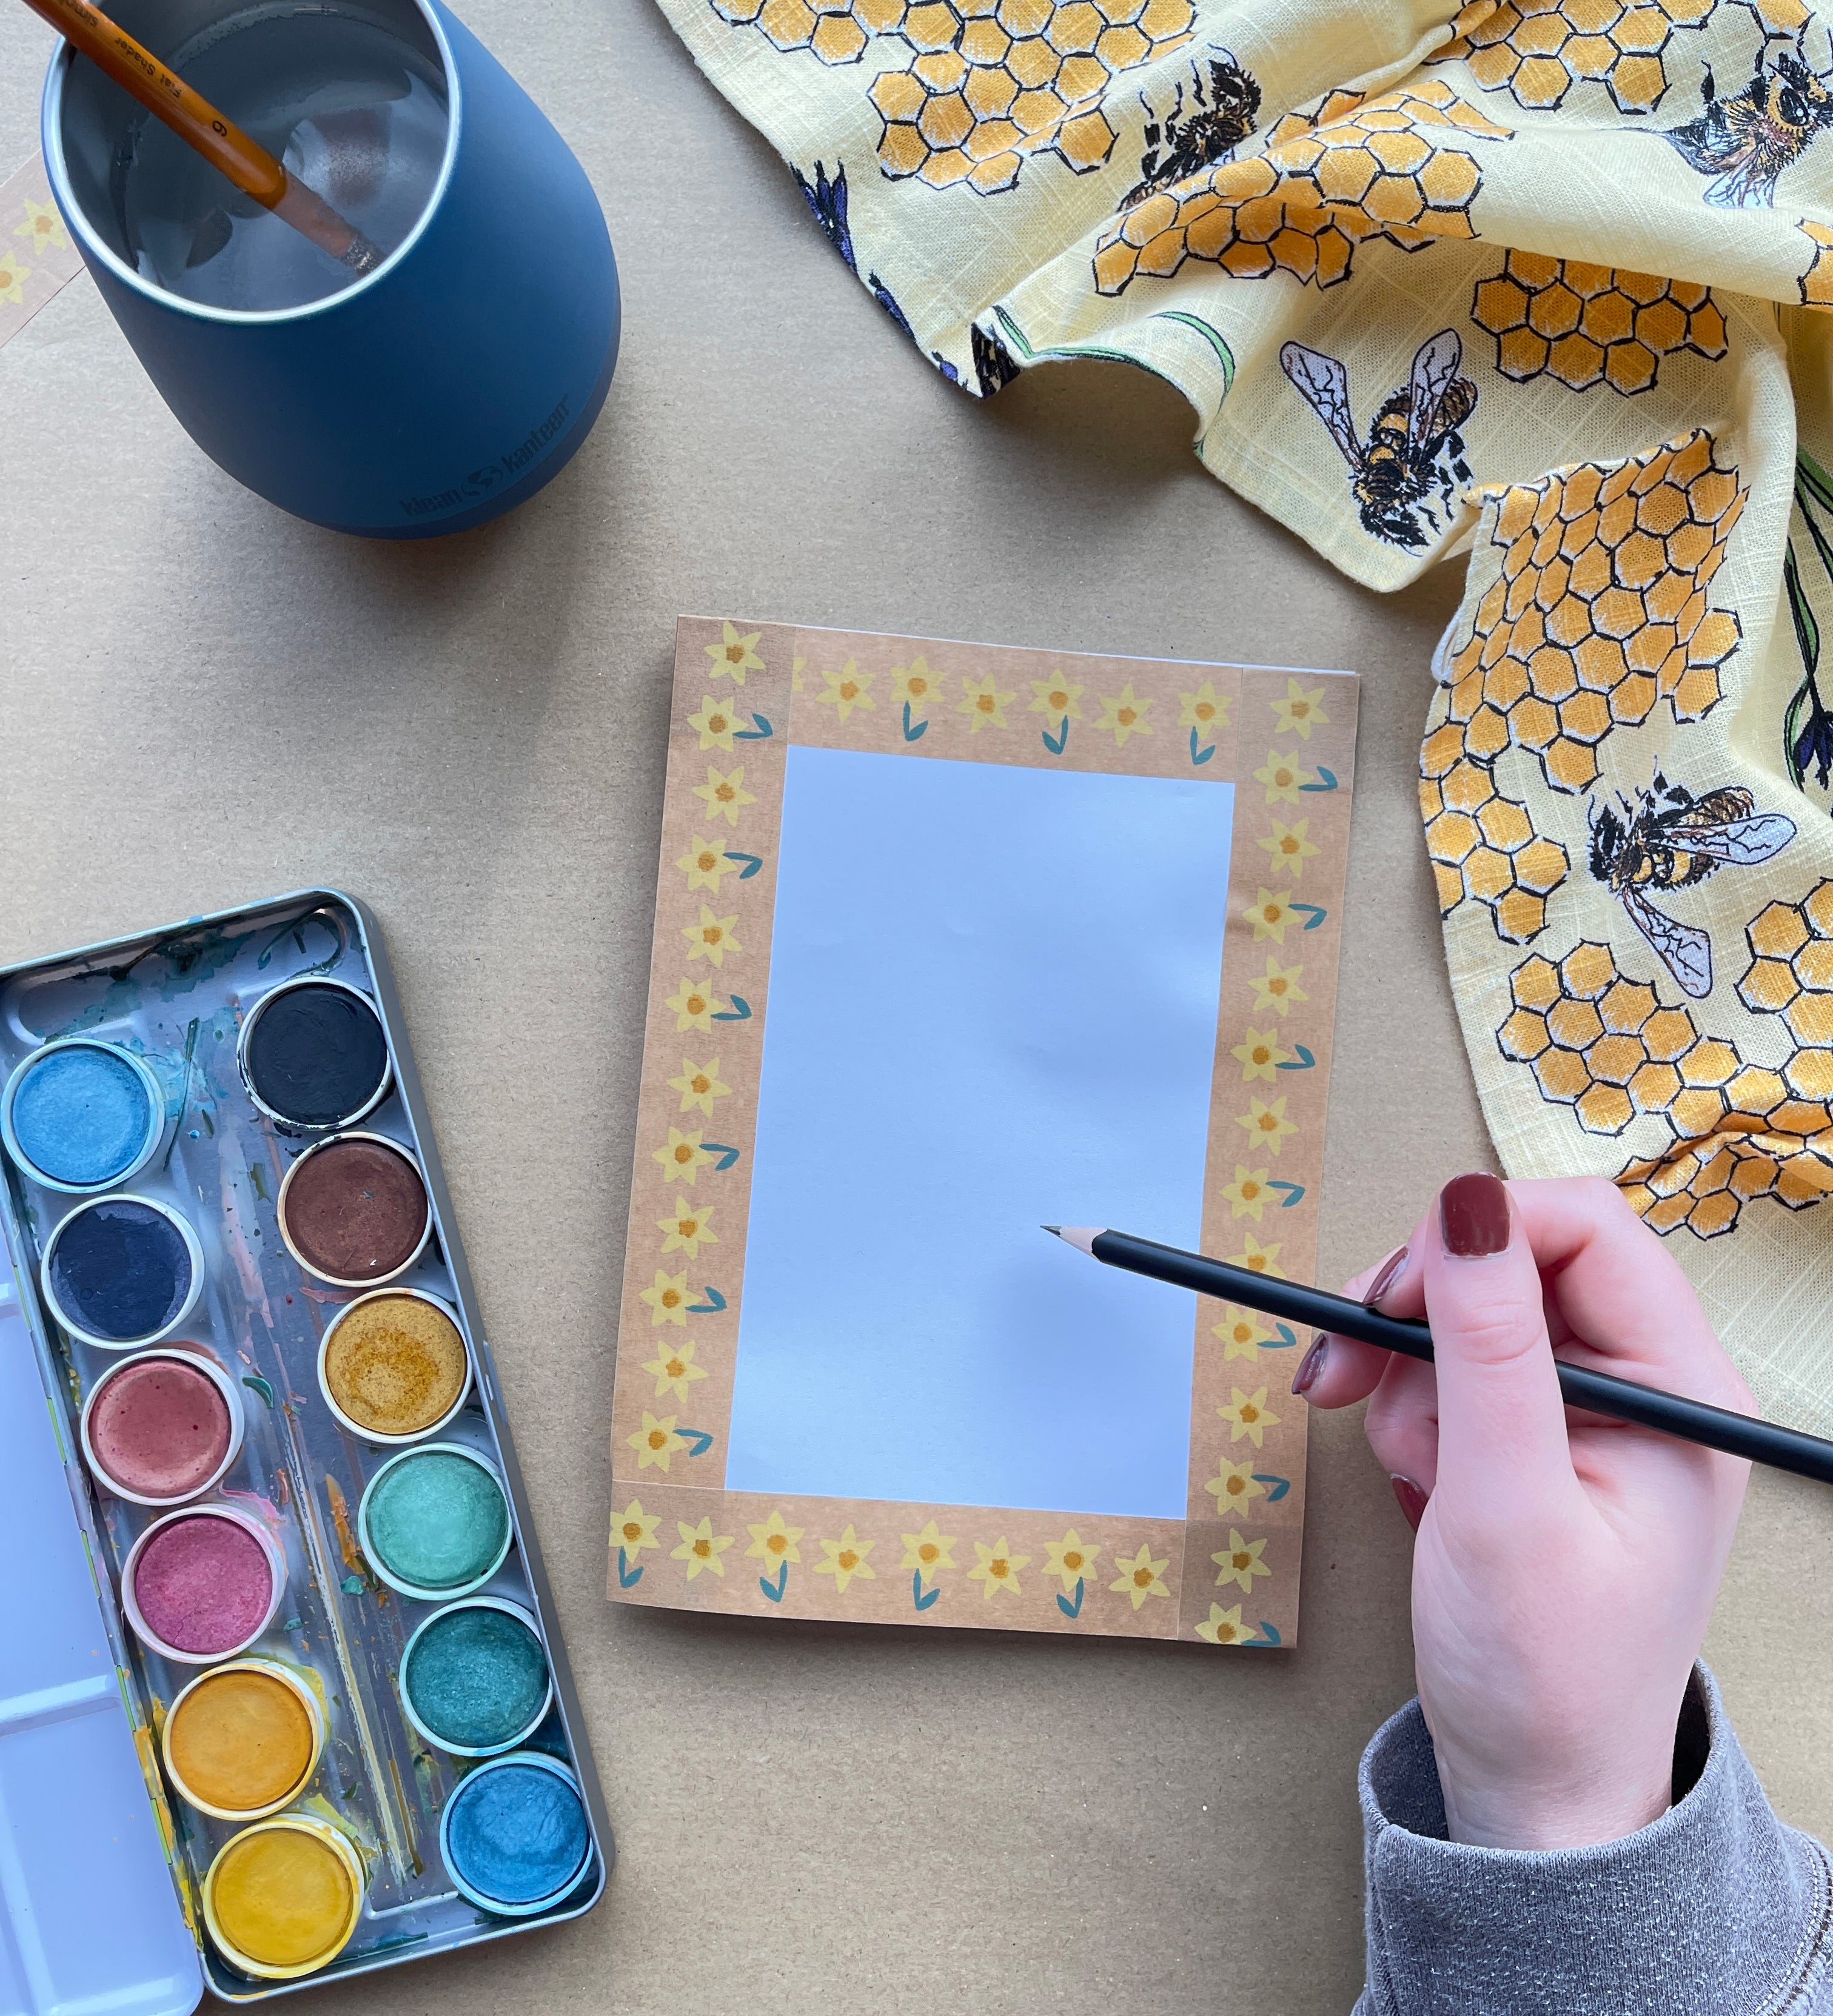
[(1248, 1195), (928, 1553), (1202, 710), (1284, 778), (699, 1086), (1300, 712), (703, 863), (1240, 1562), (796, 666), (674, 1372), (845, 1558), (1248, 1414), (773, 1540), (1268, 913), (1224, 1627), (12, 278), (1278, 987), (717, 723), (1289, 847), (694, 1008), (985, 705), (681, 1157), (1124, 715), (734, 655), (711, 938), (1056, 697), (846, 689), (997, 1567), (725, 792), (633, 1529), (1258, 1259), (914, 686), (1266, 1123), (1235, 1488), (688, 1230), (655, 1442), (1259, 1056), (43, 225), (1241, 1332), (1071, 1558), (667, 1299), (700, 1547), (1140, 1577)]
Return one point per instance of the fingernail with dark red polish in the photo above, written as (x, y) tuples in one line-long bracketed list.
[(1473, 1215), (1390, 1273), (1411, 1501), (1306, 1375)]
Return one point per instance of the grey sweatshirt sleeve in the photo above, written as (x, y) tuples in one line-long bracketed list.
[(1715, 1909)]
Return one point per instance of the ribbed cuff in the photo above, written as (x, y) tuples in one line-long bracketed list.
[(1714, 1910)]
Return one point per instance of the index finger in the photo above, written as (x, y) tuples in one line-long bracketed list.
[(1631, 1309)]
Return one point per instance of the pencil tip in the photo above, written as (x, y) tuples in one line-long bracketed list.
[(1056, 1229)]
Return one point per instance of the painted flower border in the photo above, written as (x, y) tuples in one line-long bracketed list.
[(1228, 1573)]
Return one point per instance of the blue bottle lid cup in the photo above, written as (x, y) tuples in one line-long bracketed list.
[(122, 1271), (514, 1836), (474, 1677), (79, 1114)]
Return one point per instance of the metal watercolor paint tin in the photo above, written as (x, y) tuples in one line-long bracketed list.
[(158, 1124), (424, 398), (293, 1244), (76, 1328), (280, 1675), (271, 1552), (300, 1472), (192, 1361), (285, 1121)]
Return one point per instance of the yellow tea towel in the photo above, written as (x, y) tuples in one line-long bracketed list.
[(1543, 279)]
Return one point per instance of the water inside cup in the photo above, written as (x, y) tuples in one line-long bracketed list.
[(353, 111)]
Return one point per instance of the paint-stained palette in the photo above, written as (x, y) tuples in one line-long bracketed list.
[(236, 1261)]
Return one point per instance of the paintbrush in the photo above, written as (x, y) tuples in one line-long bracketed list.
[(1598, 1392), (198, 123)]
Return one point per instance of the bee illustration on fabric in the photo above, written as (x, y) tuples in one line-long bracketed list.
[(1414, 452), (1744, 143), (1668, 839), (1223, 107), (827, 200)]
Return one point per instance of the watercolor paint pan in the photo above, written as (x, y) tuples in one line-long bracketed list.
[(181, 1001)]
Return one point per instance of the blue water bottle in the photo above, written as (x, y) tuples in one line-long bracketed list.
[(438, 390)]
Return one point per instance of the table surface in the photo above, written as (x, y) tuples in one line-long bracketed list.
[(222, 704)]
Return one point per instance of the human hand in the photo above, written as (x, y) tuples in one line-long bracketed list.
[(1566, 1565)]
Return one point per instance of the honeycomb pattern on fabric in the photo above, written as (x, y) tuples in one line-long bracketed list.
[(1398, 166), (1536, 50), (1605, 1046), (992, 80), (1599, 611), (1586, 325)]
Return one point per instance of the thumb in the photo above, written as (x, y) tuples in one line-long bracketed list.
[(1501, 1436)]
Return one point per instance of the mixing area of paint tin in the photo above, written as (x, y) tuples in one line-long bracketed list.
[(210, 1363)]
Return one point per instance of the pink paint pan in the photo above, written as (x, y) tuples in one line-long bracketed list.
[(162, 1427), (202, 1584)]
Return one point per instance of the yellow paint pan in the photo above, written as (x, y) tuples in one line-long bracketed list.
[(283, 1897)]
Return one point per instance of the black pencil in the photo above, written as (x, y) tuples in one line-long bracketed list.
[(1598, 1392)]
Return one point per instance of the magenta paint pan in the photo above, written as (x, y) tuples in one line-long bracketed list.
[(163, 1426), (202, 1584)]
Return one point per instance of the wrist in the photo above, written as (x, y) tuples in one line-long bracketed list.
[(1562, 1808)]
